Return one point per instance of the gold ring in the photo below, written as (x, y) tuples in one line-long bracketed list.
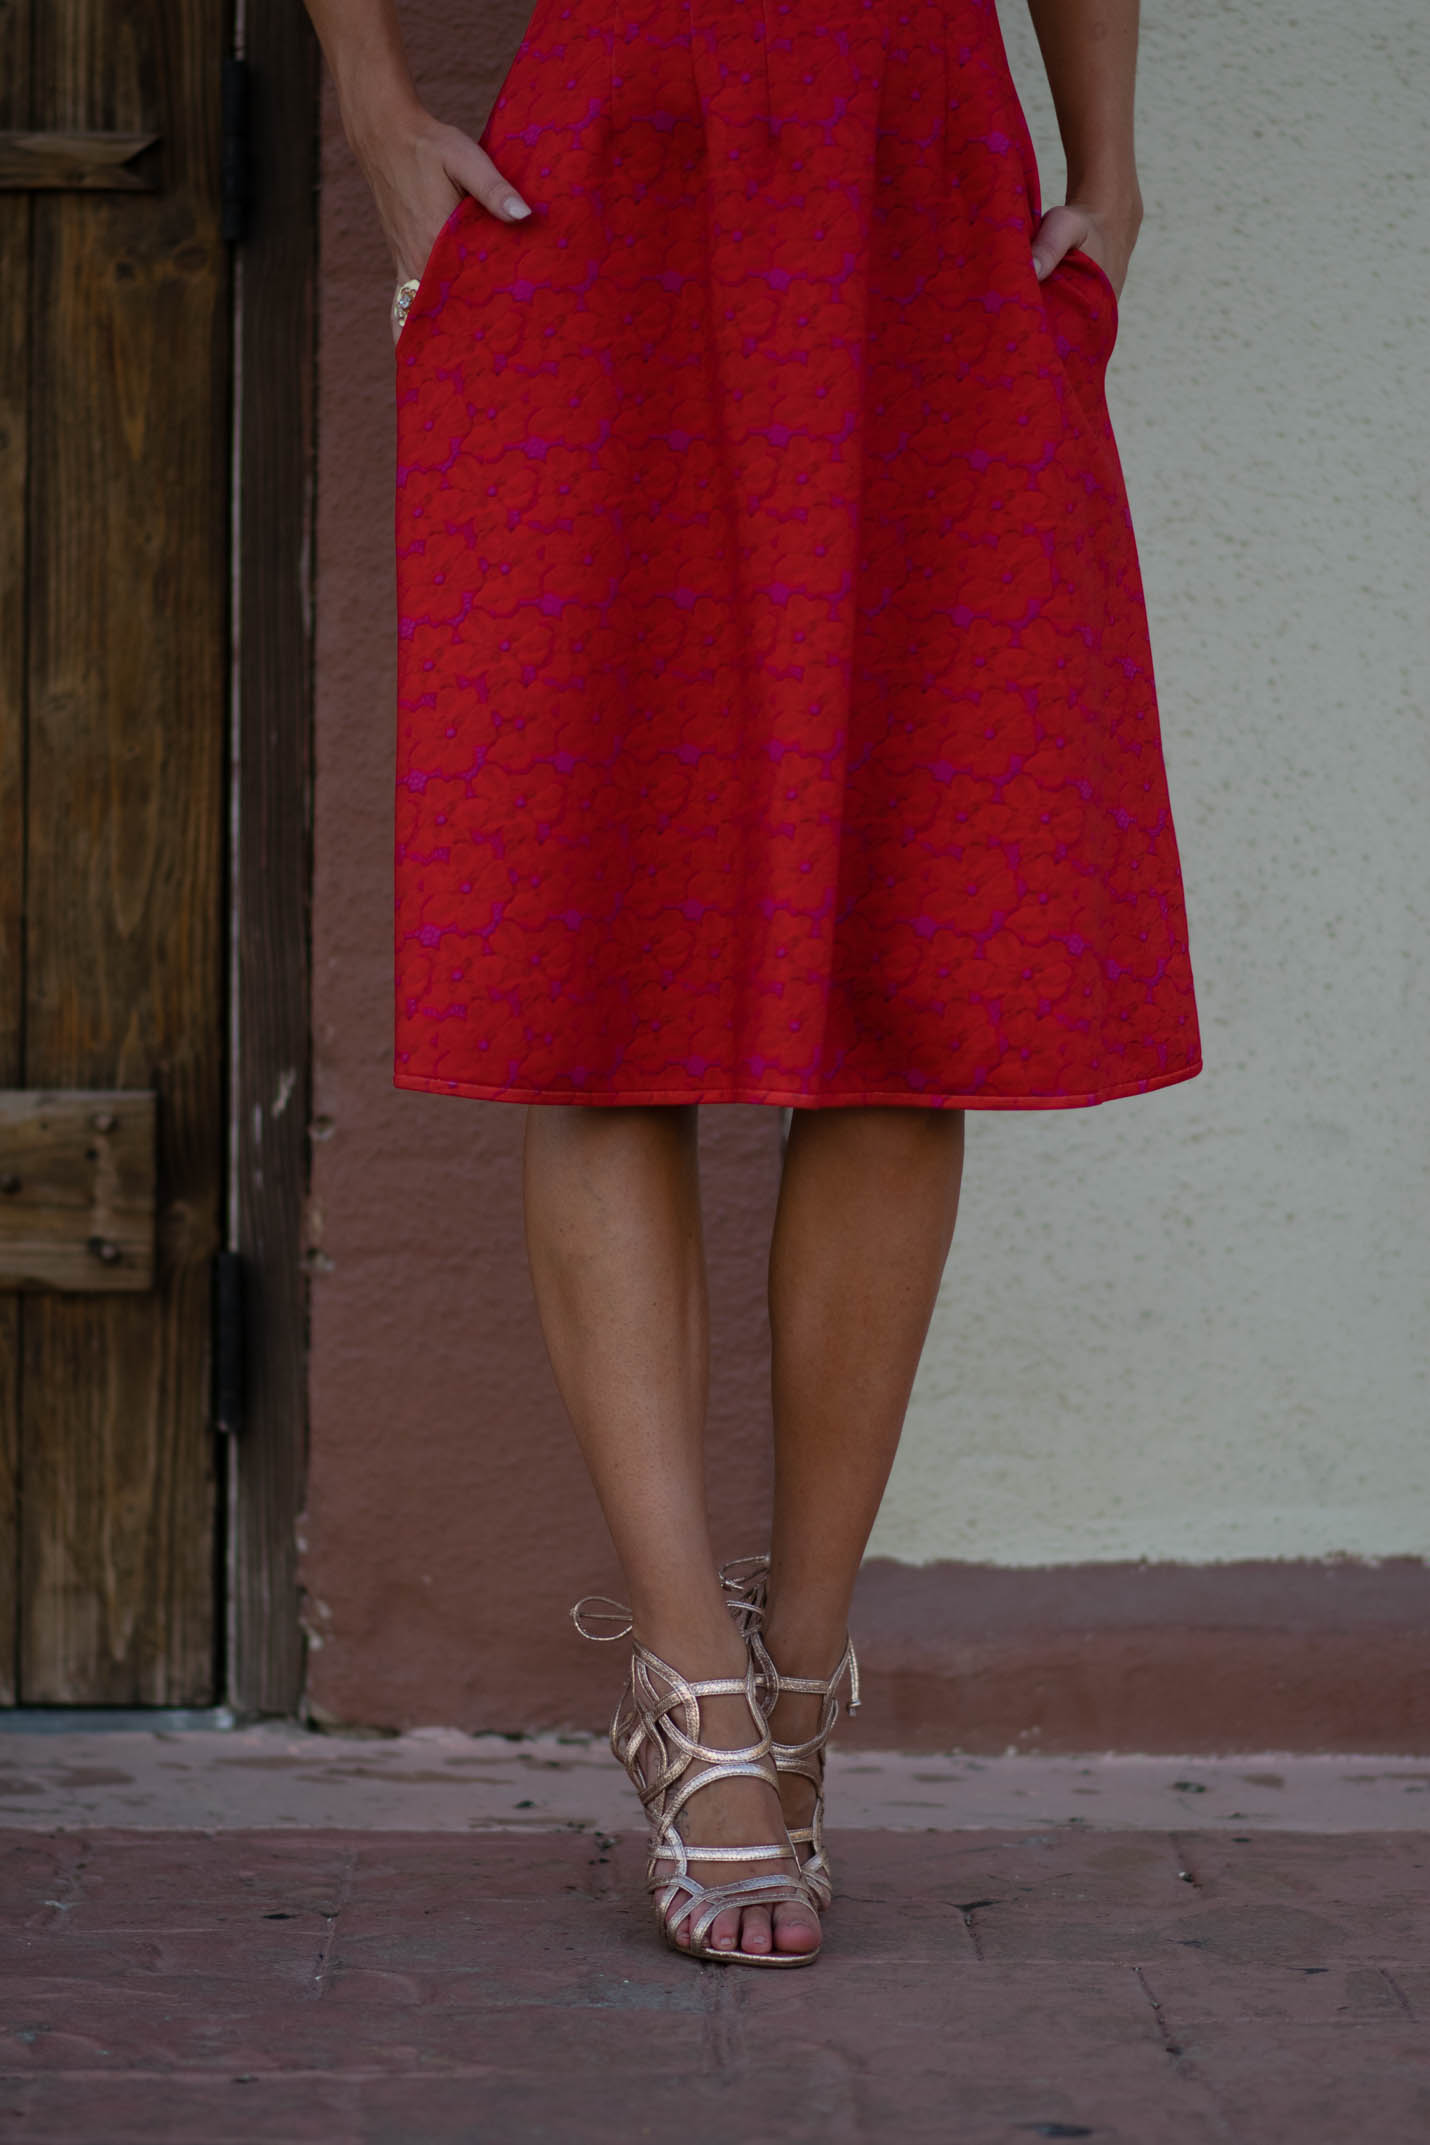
[(402, 299)]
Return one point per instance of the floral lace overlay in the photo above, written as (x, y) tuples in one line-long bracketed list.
[(776, 713)]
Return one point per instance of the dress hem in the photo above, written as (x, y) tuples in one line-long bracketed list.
[(797, 1099)]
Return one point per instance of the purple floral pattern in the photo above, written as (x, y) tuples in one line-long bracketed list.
[(776, 712)]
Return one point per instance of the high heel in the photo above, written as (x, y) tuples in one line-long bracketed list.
[(746, 1584), (655, 1733)]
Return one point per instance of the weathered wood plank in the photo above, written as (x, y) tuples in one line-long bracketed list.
[(76, 1190), (14, 399), (272, 879), (73, 162), (127, 666)]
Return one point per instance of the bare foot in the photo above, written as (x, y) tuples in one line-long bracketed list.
[(733, 1813)]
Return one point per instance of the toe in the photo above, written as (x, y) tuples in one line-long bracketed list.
[(755, 1932), (796, 1929), (725, 1930)]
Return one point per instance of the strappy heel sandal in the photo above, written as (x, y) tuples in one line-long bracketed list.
[(746, 1582), (655, 1733)]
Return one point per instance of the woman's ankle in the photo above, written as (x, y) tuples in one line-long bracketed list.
[(812, 1649), (699, 1648)]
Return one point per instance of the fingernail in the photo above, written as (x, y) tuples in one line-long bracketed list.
[(1039, 266), (515, 206)]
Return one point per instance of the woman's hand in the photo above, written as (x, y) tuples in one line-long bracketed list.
[(419, 170), (1089, 48), (1107, 234)]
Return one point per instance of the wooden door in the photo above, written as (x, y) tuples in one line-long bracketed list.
[(114, 554)]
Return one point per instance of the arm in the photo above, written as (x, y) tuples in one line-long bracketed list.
[(418, 168), (1089, 49)]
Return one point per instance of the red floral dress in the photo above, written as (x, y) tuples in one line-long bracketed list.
[(776, 712)]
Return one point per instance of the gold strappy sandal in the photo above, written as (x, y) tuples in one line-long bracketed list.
[(746, 1582), (655, 1733)]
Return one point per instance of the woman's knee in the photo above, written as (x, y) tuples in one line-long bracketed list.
[(589, 1129)]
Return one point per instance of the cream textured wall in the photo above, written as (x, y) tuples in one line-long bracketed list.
[(1193, 1325)]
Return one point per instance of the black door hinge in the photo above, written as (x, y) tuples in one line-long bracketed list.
[(235, 158), (228, 1342)]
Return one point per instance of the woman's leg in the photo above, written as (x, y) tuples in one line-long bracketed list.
[(865, 1219), (614, 1238)]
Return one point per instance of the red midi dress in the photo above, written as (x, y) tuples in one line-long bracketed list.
[(776, 714)]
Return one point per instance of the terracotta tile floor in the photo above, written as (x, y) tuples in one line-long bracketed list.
[(984, 1987)]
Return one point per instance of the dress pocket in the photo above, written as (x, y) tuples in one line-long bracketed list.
[(1081, 309), (435, 266), (1090, 287), (1101, 274)]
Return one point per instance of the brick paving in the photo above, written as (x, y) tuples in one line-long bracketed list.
[(986, 1987)]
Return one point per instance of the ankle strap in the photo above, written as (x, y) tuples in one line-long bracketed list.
[(813, 1686)]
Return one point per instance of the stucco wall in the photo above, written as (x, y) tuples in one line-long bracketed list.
[(1193, 1325), (1178, 1328)]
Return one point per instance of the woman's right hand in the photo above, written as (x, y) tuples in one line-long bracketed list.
[(418, 170)]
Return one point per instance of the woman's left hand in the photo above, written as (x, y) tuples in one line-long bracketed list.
[(1107, 234)]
